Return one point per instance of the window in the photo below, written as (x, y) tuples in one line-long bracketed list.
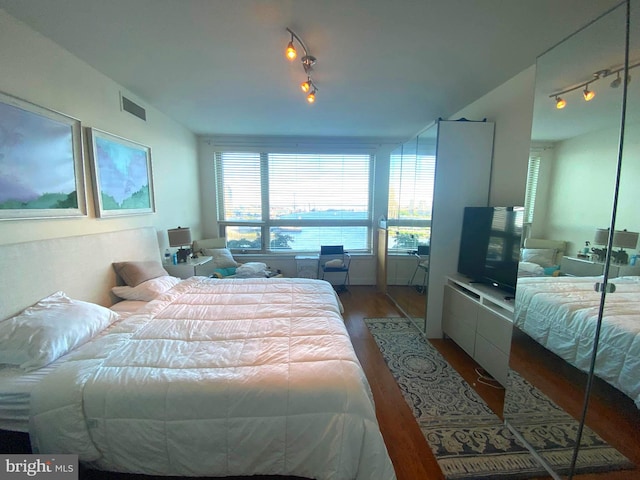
[(294, 202), (532, 186), (411, 183)]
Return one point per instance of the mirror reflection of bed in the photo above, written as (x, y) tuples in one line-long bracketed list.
[(556, 306)]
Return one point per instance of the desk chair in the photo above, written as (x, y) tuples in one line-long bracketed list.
[(422, 264), (333, 259)]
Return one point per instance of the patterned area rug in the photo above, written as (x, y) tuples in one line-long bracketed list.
[(468, 440)]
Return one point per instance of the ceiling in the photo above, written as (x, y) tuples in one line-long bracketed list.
[(384, 68)]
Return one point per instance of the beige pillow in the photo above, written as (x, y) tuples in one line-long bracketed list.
[(134, 273), (222, 257)]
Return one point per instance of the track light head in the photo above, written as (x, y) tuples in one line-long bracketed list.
[(291, 53), (616, 81), (560, 103), (311, 98), (588, 94), (306, 85)]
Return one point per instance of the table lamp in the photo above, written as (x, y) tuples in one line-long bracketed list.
[(179, 237), (623, 239)]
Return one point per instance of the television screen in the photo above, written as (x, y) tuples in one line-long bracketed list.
[(490, 245)]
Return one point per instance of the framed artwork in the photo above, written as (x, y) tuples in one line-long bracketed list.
[(122, 175), (41, 166)]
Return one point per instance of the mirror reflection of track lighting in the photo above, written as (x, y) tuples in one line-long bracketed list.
[(587, 94), (617, 81), (308, 62)]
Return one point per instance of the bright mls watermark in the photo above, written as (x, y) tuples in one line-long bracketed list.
[(51, 467)]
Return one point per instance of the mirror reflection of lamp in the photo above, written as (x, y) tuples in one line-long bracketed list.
[(180, 237), (621, 239)]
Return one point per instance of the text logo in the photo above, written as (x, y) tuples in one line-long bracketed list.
[(50, 467)]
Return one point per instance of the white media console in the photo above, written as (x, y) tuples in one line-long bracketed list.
[(479, 318)]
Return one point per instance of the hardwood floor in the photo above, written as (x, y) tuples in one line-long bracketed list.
[(611, 414)]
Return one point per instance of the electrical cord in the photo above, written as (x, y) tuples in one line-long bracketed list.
[(486, 379)]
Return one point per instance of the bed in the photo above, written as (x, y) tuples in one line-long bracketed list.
[(209, 378), (561, 313), (541, 257)]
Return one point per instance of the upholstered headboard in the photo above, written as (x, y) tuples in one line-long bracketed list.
[(80, 266), (559, 246)]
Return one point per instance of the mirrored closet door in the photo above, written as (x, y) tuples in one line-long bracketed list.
[(573, 338), (409, 228)]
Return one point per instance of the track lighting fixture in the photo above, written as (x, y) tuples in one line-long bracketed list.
[(587, 94), (308, 62)]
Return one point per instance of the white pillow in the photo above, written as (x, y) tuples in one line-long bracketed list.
[(531, 268), (222, 257), (545, 257), (49, 329), (251, 268), (146, 291)]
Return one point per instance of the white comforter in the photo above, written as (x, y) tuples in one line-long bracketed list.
[(219, 378), (561, 314)]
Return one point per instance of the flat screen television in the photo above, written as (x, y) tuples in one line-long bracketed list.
[(490, 245)]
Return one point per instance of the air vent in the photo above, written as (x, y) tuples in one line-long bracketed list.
[(133, 108)]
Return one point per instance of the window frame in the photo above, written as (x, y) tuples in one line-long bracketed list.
[(265, 224), (395, 224)]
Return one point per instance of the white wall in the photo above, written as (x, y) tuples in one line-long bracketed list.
[(41, 72), (580, 176), (510, 107)]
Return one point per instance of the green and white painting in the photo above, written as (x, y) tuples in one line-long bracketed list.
[(41, 171), (123, 180)]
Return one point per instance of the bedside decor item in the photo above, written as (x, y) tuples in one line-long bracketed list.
[(621, 239), (41, 166), (179, 237), (122, 175)]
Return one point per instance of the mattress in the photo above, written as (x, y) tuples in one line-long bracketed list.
[(561, 314), (15, 395), (16, 384), (218, 378)]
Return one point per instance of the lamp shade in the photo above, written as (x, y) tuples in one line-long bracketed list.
[(624, 239), (178, 237), (601, 237)]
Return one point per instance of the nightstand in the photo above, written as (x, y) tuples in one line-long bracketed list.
[(202, 266), (578, 267)]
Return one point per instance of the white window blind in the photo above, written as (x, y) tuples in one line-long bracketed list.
[(239, 186), (315, 187), (294, 202), (411, 184), (532, 186)]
